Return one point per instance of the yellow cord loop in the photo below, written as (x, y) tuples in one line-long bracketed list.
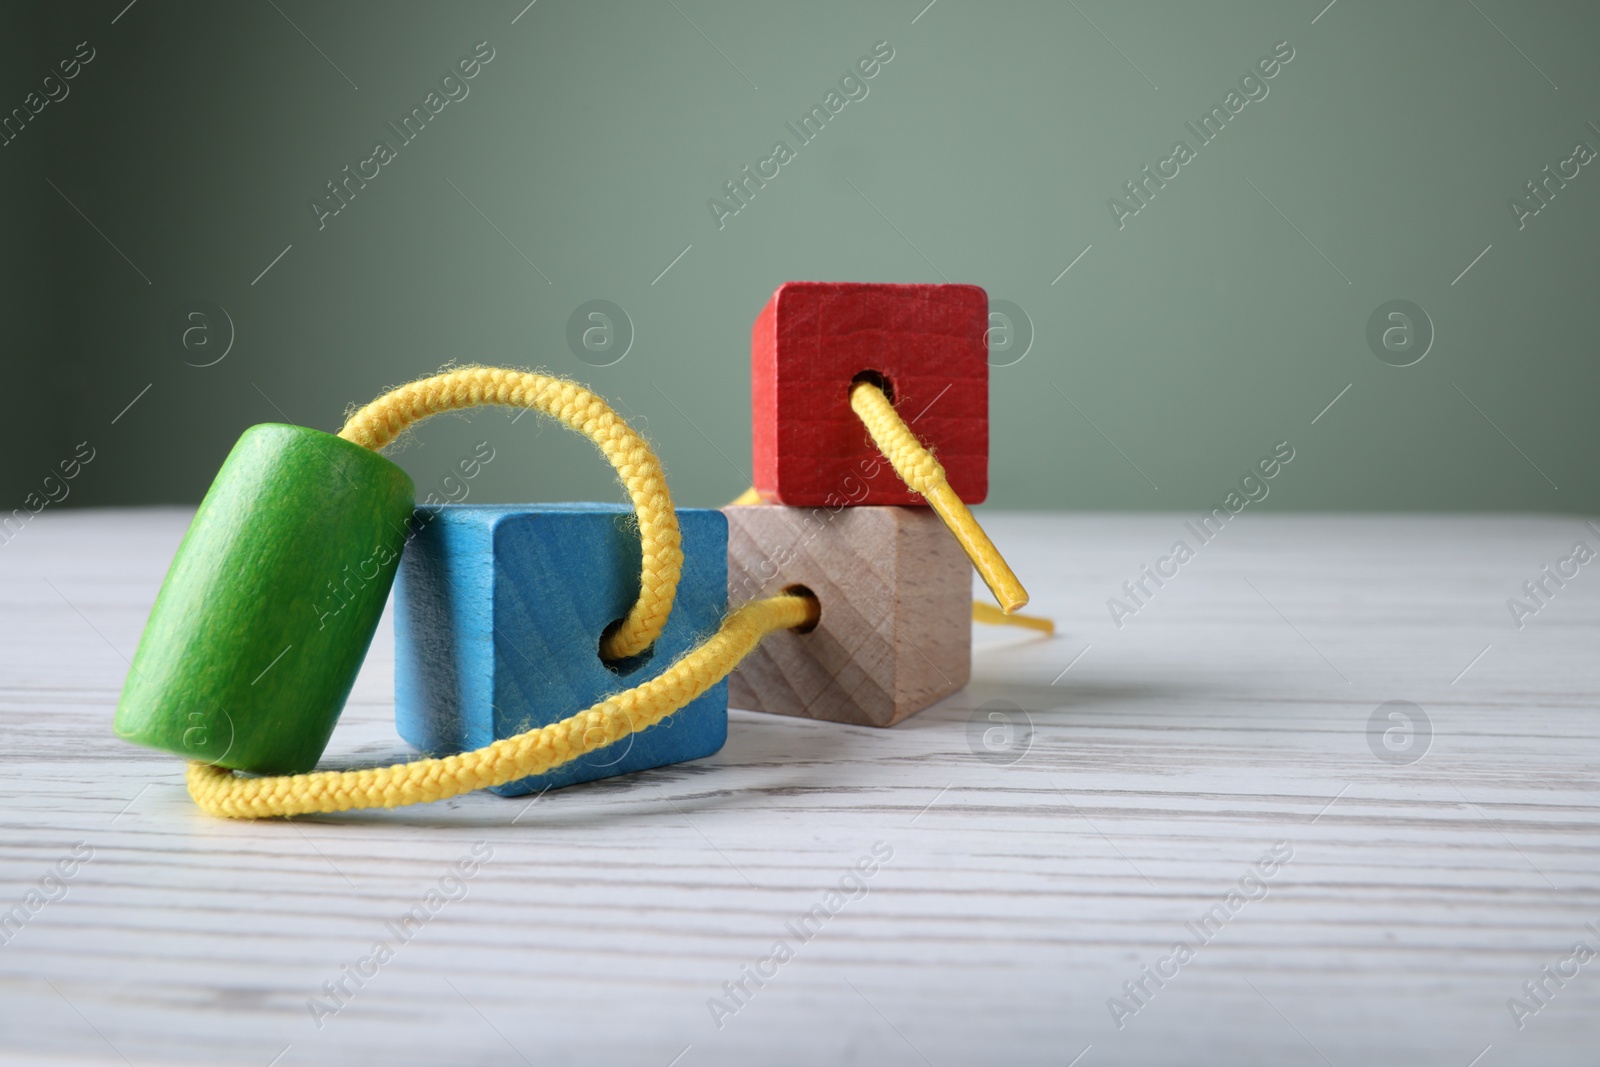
[(381, 421), (919, 469), (219, 792)]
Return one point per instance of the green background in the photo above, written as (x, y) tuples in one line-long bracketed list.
[(1220, 320)]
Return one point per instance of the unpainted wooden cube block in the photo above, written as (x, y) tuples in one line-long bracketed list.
[(925, 343), (499, 611), (895, 589)]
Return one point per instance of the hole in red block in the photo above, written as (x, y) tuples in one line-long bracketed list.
[(805, 591), (627, 665), (876, 378)]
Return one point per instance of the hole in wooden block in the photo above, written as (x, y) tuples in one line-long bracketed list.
[(876, 378), (497, 615), (927, 345), (628, 664), (896, 634), (801, 590)]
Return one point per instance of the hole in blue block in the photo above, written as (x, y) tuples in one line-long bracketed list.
[(622, 667)]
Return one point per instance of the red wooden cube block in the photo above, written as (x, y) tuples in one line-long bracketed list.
[(814, 339)]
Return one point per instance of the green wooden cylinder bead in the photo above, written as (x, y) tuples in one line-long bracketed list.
[(269, 606)]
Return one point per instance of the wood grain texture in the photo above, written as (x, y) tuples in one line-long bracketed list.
[(809, 343), (896, 629), (269, 606), (1164, 760), (499, 610)]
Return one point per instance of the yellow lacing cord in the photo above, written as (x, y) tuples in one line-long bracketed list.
[(990, 615), (220, 792), (987, 614), (381, 421), (924, 474)]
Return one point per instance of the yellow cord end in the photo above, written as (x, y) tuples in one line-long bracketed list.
[(923, 473), (990, 615), (991, 566)]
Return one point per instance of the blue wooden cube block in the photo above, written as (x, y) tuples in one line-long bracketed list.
[(499, 611)]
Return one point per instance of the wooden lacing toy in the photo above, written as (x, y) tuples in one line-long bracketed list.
[(243, 667), (237, 670)]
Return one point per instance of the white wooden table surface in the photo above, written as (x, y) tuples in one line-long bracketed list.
[(1026, 885)]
